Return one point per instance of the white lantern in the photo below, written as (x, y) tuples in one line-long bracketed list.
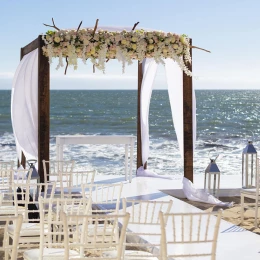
[(249, 166), (212, 171)]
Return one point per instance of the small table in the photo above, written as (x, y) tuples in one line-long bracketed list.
[(127, 140)]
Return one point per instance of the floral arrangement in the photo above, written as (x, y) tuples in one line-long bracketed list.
[(99, 46)]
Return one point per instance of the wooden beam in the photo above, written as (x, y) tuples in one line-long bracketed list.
[(187, 123), (23, 159), (30, 47), (139, 141), (43, 109)]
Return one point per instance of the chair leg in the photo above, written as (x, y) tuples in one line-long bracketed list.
[(242, 208), (256, 213)]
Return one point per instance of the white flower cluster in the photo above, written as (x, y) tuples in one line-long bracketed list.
[(125, 46)]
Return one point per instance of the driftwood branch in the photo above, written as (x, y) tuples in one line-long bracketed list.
[(195, 47), (79, 26), (66, 65), (95, 28), (53, 26), (135, 26)]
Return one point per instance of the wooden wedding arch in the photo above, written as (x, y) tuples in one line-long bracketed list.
[(44, 112)]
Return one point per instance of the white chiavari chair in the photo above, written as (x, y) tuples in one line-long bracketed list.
[(7, 191), (55, 168), (254, 194), (52, 226), (83, 177), (143, 234), (10, 250), (90, 240), (189, 235), (105, 197), (26, 202), (70, 184), (6, 176)]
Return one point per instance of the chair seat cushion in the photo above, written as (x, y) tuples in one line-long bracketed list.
[(9, 210), (138, 255), (27, 229), (48, 253), (248, 191)]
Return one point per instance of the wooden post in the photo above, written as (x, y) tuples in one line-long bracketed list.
[(187, 123), (43, 109), (139, 140), (23, 159)]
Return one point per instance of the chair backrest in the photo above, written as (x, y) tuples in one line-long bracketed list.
[(11, 250), (26, 199), (51, 224), (21, 177), (57, 167), (257, 177), (6, 165), (105, 197), (6, 174), (83, 177), (189, 234), (92, 240), (144, 225)]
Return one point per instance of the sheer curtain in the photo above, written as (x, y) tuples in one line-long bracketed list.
[(174, 76), (149, 67), (24, 106)]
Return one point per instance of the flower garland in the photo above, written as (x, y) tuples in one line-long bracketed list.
[(100, 46)]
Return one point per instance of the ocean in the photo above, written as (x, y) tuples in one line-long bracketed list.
[(226, 119)]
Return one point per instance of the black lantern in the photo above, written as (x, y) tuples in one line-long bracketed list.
[(35, 175)]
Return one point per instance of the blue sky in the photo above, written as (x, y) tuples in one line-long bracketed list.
[(230, 29)]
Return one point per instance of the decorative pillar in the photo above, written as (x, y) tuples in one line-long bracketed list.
[(139, 140), (43, 109), (187, 123)]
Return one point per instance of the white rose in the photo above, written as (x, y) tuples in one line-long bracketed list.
[(175, 46), (57, 39), (86, 41), (150, 46), (172, 39), (165, 50), (134, 39), (123, 42), (134, 46)]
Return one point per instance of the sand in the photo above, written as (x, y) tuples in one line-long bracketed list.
[(232, 214)]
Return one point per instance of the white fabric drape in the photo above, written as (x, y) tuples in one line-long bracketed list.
[(149, 67), (194, 194), (174, 76), (24, 106)]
